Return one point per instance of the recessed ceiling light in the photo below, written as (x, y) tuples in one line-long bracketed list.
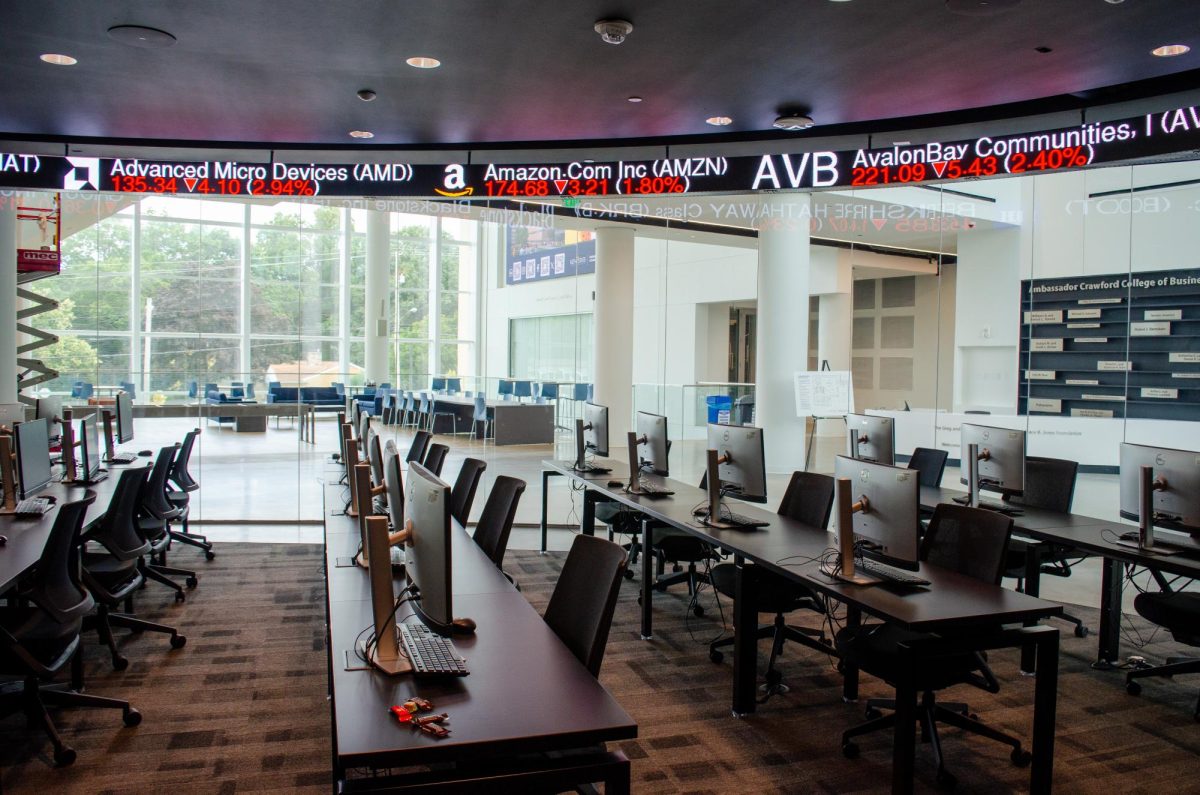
[(423, 62), (719, 121), (635, 99), (361, 134), (793, 121), (1170, 50), (140, 36), (58, 59)]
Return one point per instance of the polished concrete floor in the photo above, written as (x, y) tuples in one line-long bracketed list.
[(263, 486)]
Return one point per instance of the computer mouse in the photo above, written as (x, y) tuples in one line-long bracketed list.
[(145, 453), (612, 484), (462, 626)]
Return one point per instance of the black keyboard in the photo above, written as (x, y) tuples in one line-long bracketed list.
[(123, 458), (592, 468), (430, 653), (992, 505), (888, 573), (730, 517)]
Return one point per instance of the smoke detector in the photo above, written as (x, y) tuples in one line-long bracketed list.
[(613, 31)]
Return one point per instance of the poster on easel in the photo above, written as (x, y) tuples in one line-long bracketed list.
[(824, 393)]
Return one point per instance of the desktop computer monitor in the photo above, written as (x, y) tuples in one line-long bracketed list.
[(454, 385), (375, 459), (1174, 483), (438, 385), (652, 443), (89, 449), (124, 418), (887, 527), (393, 478), (364, 426), (505, 387), (49, 409), (1001, 463), (427, 505), (871, 438), (32, 440), (741, 469), (595, 428)]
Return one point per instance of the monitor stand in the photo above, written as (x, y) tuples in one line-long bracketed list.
[(579, 446), (844, 570), (1145, 539), (109, 448), (972, 464), (385, 654), (713, 483), (634, 487), (8, 475)]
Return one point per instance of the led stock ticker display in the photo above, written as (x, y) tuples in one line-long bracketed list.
[(1096, 143)]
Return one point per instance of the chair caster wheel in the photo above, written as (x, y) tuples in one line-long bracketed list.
[(850, 750), (1133, 688), (873, 713), (698, 611), (628, 574), (1021, 758), (209, 555), (65, 757), (180, 596), (716, 656), (660, 587), (120, 663), (1081, 631), (639, 598), (946, 780), (192, 582), (178, 641), (132, 718), (841, 667), (774, 678)]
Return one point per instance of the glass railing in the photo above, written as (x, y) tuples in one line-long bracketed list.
[(690, 407)]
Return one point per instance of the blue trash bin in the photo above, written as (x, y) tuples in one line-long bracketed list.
[(719, 407)]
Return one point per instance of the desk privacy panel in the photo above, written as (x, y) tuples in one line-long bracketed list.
[(1119, 345)]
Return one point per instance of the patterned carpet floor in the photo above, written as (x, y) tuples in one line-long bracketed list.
[(242, 707)]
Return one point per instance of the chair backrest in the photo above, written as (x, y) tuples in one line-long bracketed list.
[(808, 499), (549, 390), (1049, 484), (579, 392), (179, 473), (581, 608), (128, 388), (480, 414), (929, 463), (496, 519), (462, 495), (249, 389), (86, 390), (118, 530), (971, 541), (420, 443), (435, 458), (193, 389), (505, 387), (522, 389), (154, 492), (56, 587)]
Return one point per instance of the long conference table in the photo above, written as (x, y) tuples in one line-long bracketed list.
[(526, 695), (965, 613), (513, 422)]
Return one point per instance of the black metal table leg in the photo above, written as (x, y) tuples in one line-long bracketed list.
[(647, 580), (849, 669), (1045, 697), (1033, 586), (546, 473), (587, 524), (904, 737), (1111, 583), (745, 640)]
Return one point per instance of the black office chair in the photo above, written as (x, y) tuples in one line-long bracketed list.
[(420, 443), (181, 479), (581, 607), (1179, 612), (496, 519), (1049, 485), (929, 464), (40, 632), (113, 575), (808, 500), (435, 458), (155, 514), (970, 541), (462, 495)]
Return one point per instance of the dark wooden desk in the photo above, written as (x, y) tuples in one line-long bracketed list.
[(1093, 537), (527, 693), (966, 613)]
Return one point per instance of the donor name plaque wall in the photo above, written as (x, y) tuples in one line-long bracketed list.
[(1135, 354)]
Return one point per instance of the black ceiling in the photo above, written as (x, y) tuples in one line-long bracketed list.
[(533, 70)]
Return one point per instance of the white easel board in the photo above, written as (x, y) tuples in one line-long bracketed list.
[(824, 393)]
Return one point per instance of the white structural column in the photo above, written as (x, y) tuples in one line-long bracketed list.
[(782, 343), (8, 303), (835, 318), (613, 330), (376, 297)]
